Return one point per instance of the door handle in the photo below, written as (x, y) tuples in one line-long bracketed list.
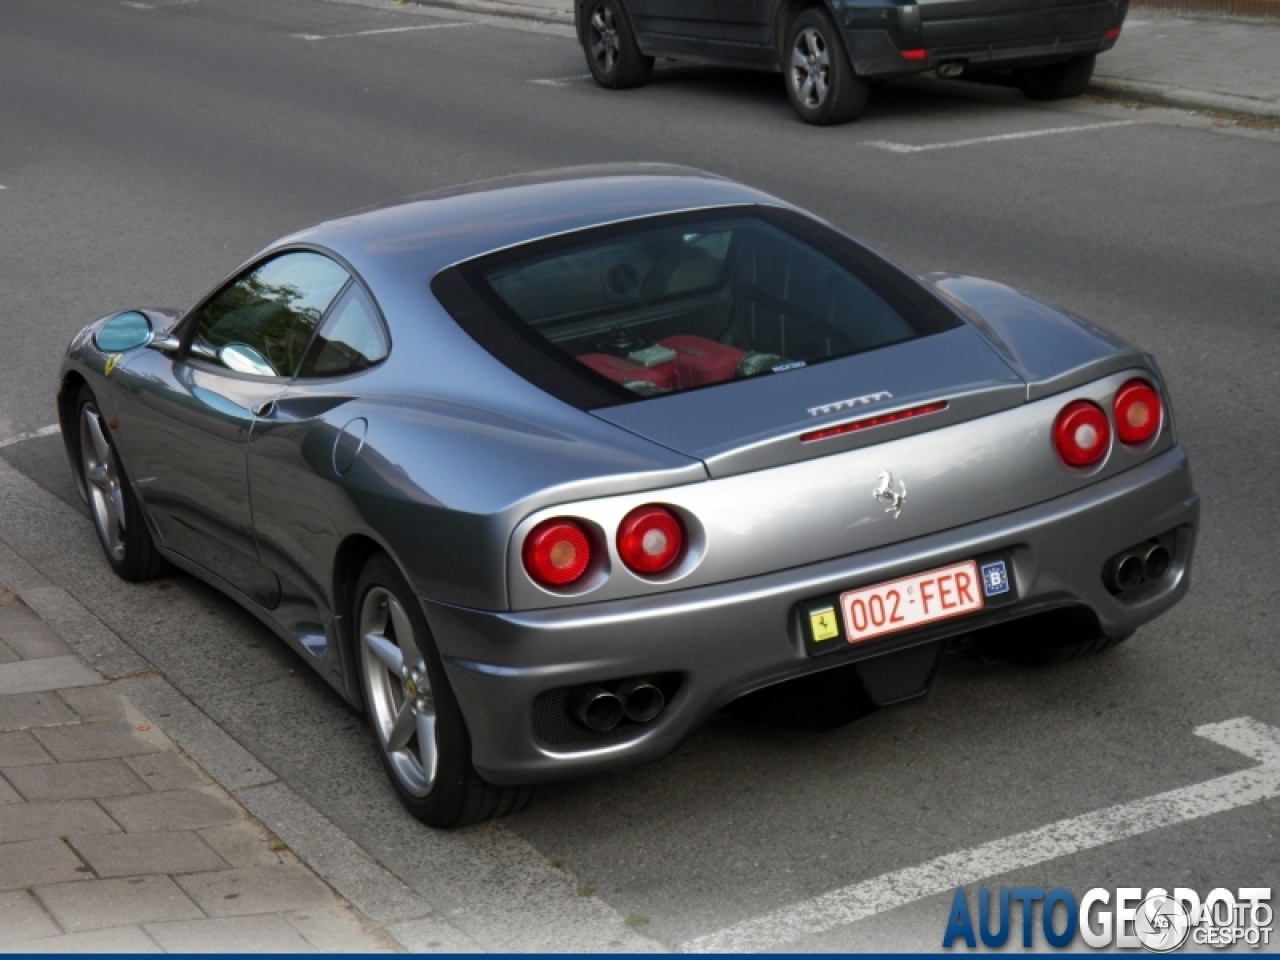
[(264, 409)]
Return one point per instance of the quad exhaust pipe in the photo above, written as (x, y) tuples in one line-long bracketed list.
[(1131, 568), (600, 709)]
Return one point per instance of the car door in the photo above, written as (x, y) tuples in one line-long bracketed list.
[(747, 21), (660, 21), (187, 418), (298, 452)]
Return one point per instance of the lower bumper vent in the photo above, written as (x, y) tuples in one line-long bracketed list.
[(899, 676)]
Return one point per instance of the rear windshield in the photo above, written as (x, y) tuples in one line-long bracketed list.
[(662, 306)]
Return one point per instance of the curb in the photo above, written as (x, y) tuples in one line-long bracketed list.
[(485, 888), (371, 889), (1183, 98), (500, 8)]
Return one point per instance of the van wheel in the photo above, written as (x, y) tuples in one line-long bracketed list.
[(820, 79), (613, 56), (422, 738), (1057, 81)]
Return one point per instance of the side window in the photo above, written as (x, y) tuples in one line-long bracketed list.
[(350, 340), (261, 323)]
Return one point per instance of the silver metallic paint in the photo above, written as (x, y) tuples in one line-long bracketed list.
[(461, 456)]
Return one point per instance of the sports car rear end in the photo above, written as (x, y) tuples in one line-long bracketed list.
[(864, 501)]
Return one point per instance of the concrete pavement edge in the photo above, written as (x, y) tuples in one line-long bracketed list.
[(371, 889), (1183, 98)]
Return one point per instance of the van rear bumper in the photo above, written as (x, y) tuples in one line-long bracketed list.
[(1003, 40)]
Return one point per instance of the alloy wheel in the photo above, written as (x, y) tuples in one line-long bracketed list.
[(603, 38), (102, 482), (401, 703), (810, 68)]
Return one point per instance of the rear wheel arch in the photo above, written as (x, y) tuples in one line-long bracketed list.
[(348, 562), (450, 793), (785, 12)]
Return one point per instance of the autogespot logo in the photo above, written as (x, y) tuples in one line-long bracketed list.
[(1126, 918)]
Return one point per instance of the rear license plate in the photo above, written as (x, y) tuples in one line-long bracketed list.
[(912, 601)]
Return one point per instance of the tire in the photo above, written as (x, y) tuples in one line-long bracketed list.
[(613, 56), (1057, 81), (117, 515), (417, 724), (820, 80)]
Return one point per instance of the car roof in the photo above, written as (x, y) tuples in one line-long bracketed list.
[(424, 234)]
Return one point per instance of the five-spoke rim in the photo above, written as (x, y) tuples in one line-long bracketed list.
[(810, 67), (604, 38), (399, 690), (102, 482)]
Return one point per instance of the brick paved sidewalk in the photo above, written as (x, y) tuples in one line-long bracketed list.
[(112, 840)]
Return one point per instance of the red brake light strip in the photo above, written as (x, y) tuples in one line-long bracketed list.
[(867, 423)]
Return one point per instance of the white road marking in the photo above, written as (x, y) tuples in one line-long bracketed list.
[(565, 81), (1026, 135), (562, 81), (1256, 740), (370, 33), (31, 434)]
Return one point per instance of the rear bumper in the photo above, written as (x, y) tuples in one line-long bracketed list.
[(994, 40), (728, 639)]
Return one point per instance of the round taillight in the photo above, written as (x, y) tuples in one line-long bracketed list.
[(1081, 434), (557, 552), (650, 539), (1137, 410)]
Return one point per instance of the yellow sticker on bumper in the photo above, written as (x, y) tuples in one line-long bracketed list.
[(824, 624)]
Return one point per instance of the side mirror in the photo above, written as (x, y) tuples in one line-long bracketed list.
[(124, 331), (165, 343)]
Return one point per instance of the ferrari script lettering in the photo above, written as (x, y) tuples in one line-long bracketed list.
[(850, 403)]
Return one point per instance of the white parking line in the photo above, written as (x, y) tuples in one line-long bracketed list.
[(921, 148), (157, 3), (1258, 741), (565, 81), (370, 33), (562, 81), (31, 434)]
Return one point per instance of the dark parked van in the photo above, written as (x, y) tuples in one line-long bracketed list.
[(830, 50)]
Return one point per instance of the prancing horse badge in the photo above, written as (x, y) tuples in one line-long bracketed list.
[(887, 494)]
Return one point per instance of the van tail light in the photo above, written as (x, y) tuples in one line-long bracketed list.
[(650, 539), (1081, 434), (557, 552), (1137, 411)]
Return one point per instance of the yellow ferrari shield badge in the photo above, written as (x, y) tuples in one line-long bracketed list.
[(112, 360), (824, 624)]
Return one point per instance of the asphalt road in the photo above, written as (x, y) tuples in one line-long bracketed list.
[(147, 148)]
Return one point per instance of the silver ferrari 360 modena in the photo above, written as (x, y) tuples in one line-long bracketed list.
[(543, 472)]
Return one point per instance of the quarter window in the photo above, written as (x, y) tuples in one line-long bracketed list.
[(261, 324), (350, 340)]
